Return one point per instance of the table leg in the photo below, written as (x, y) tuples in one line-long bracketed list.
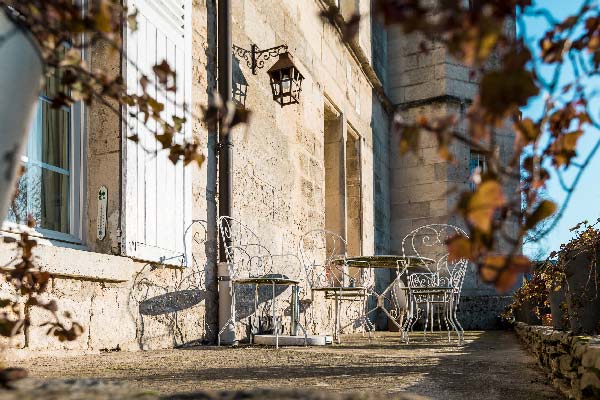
[(275, 327), (337, 318), (294, 313), (255, 313)]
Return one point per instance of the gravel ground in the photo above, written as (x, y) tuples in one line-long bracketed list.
[(491, 365)]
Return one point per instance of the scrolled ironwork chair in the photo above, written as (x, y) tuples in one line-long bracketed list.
[(323, 255), (434, 288), (455, 278), (251, 263)]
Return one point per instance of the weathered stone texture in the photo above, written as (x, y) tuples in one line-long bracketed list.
[(481, 312), (278, 180), (572, 362), (424, 187)]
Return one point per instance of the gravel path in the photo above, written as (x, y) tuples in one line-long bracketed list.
[(491, 365)]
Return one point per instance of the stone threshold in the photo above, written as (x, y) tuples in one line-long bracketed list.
[(572, 362)]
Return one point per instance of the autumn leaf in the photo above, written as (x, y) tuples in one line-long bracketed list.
[(482, 204), (178, 123), (564, 148), (163, 72), (459, 248), (527, 132), (132, 21), (477, 44), (102, 16), (544, 210), (503, 271), (166, 139), (502, 92), (552, 51), (71, 58), (240, 116)]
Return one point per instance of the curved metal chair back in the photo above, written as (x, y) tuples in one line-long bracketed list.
[(452, 273), (422, 280), (441, 285), (246, 256), (318, 249), (429, 241), (200, 237)]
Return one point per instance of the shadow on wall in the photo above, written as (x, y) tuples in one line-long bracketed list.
[(180, 306), (166, 303), (171, 302), (239, 83)]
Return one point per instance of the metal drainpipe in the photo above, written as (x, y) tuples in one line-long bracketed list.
[(225, 163)]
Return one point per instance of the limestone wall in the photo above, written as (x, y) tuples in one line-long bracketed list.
[(278, 184), (572, 362)]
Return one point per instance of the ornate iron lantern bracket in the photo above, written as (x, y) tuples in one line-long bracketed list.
[(255, 58)]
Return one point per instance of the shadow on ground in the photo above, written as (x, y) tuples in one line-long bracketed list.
[(491, 365)]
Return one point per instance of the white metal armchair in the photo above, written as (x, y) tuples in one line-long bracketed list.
[(323, 255), (251, 263), (434, 291)]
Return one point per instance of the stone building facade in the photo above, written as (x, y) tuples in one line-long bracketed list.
[(424, 188), (140, 272)]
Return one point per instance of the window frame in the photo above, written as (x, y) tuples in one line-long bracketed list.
[(76, 182), (77, 176), (482, 163)]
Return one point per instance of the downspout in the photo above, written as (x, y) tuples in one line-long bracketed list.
[(225, 151)]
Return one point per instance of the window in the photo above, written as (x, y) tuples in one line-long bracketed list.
[(477, 166), (343, 184), (49, 189), (354, 207)]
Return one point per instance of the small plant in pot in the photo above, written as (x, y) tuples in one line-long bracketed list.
[(579, 259)]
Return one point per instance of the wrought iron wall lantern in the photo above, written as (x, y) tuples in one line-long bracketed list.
[(285, 78)]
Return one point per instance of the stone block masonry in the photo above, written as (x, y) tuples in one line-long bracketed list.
[(572, 362), (127, 301)]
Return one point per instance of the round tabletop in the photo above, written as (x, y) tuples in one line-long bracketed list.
[(384, 261), (269, 279)]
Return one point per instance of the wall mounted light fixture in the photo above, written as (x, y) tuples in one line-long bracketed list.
[(285, 79)]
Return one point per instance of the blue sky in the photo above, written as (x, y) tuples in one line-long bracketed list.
[(585, 202)]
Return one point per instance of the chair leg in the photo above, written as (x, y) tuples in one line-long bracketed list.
[(462, 331), (408, 319), (453, 320), (426, 325), (255, 312), (446, 323), (431, 315), (337, 319), (416, 314), (448, 315)]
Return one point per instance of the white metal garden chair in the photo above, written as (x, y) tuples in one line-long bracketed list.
[(323, 255), (433, 290), (251, 263)]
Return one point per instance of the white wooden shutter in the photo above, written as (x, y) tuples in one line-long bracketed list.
[(157, 194)]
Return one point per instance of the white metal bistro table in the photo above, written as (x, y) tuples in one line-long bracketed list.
[(274, 280), (399, 263)]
